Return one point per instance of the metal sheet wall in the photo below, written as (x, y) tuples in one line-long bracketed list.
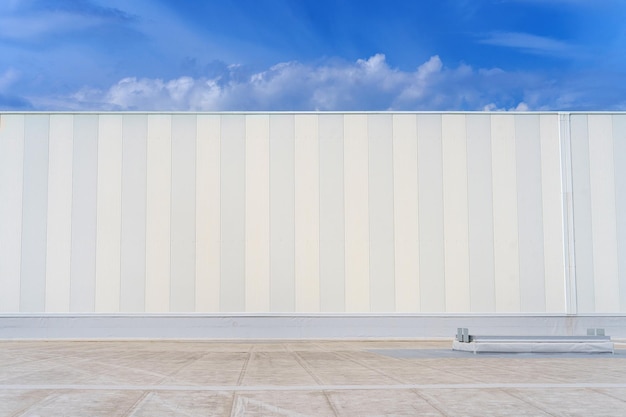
[(599, 196), (283, 212)]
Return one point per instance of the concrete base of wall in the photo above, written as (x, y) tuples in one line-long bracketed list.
[(300, 326)]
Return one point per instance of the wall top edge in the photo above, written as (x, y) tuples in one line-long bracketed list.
[(303, 315), (219, 113)]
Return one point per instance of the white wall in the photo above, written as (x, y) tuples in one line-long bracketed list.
[(310, 212)]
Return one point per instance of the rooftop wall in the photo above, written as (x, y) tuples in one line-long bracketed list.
[(317, 212)]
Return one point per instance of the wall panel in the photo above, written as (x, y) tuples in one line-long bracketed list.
[(34, 214), (298, 212), (109, 213), (158, 212), (233, 212), (332, 215), (381, 224), (282, 215), (84, 210), (552, 214), (603, 216), (258, 213), (456, 241), (480, 214), (530, 213), (183, 216), (11, 186), (134, 197), (307, 214), (59, 222), (619, 165), (356, 200), (406, 236), (430, 207), (505, 221), (208, 213), (583, 240)]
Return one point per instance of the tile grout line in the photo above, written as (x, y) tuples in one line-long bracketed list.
[(430, 402), (252, 388), (244, 367), (378, 371), (529, 402), (49, 398), (607, 394), (137, 404), (302, 362), (236, 403), (434, 368)]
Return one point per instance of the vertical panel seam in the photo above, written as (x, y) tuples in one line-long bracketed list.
[(194, 206), (45, 254), (493, 226), (343, 169), (319, 278), (95, 303), (612, 174), (393, 222), (170, 298), (567, 212), (369, 210), (517, 198), (543, 232), (343, 208), (171, 214), (467, 198), (443, 219), (293, 249), (121, 133), (68, 295), (268, 280), (591, 222), (19, 301), (145, 232), (417, 209), (493, 215), (95, 214), (219, 183), (319, 215), (245, 225), (617, 245)]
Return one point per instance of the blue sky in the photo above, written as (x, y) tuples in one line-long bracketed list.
[(313, 54)]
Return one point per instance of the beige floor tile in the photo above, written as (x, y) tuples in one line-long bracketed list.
[(183, 404), (617, 393), (58, 375), (573, 402), (80, 404), (480, 403), (276, 368), (16, 402), (381, 403), (307, 378), (282, 404)]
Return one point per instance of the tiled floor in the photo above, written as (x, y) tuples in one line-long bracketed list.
[(300, 379)]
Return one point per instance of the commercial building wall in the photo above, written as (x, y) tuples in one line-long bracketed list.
[(312, 213)]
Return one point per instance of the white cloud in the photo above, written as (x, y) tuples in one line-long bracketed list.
[(367, 84), (530, 43), (493, 107)]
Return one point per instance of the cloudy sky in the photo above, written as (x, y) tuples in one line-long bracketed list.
[(312, 54)]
